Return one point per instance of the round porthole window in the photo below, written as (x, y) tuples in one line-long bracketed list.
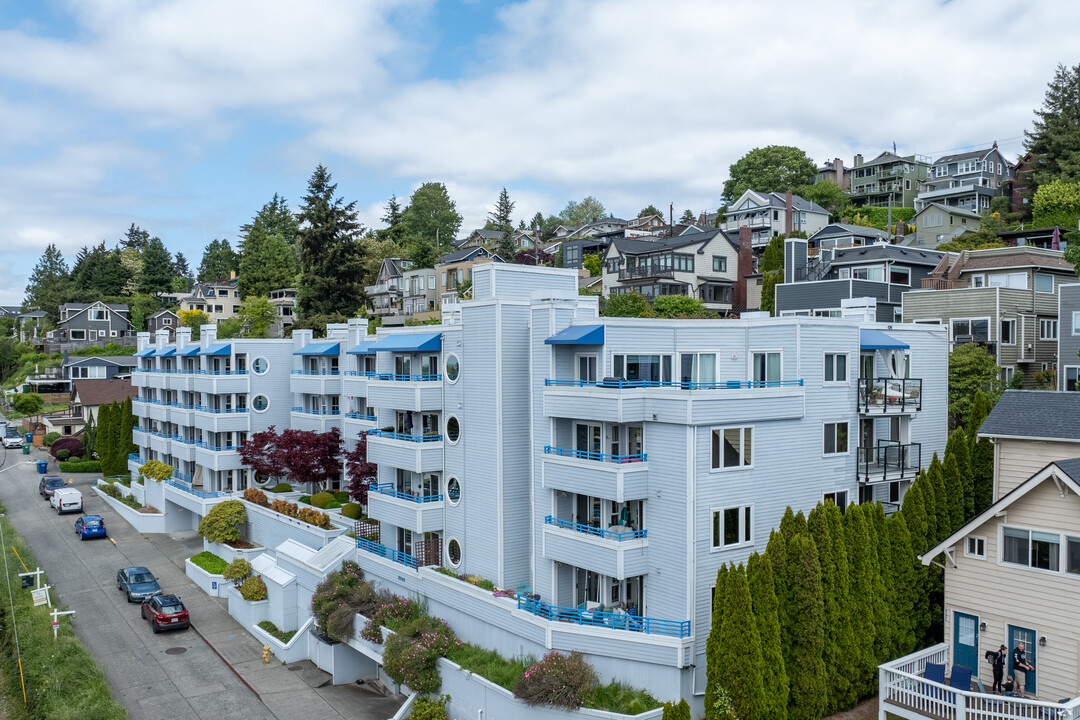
[(453, 430), (259, 403), (453, 552), (259, 366), (453, 491), (452, 368)]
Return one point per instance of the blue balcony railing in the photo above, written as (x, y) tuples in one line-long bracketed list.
[(219, 411), (217, 448), (597, 456), (360, 416), (404, 436), (307, 411), (184, 440), (219, 372), (406, 378), (135, 457), (204, 494), (391, 490), (382, 551), (361, 373), (182, 476), (603, 618), (619, 383), (315, 372), (598, 532)]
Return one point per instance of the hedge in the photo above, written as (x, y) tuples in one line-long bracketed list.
[(209, 562), (82, 466)]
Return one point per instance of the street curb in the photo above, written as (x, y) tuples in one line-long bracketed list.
[(235, 671)]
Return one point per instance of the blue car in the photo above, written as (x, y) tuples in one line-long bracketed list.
[(90, 526), (137, 583)]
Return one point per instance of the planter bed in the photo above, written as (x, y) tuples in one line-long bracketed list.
[(270, 528), (294, 650), (249, 613), (145, 522), (228, 553), (212, 585)]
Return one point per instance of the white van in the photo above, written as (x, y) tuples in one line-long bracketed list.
[(66, 500)]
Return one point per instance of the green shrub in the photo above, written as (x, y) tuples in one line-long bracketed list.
[(110, 490), (156, 470), (333, 505), (490, 664), (352, 511), (253, 589), (131, 502), (618, 698), (341, 497), (411, 655), (426, 707), (283, 487), (282, 635), (224, 522), (63, 454), (314, 517), (209, 562), (676, 711), (237, 571), (336, 591), (81, 466), (305, 499), (562, 681), (50, 438), (321, 499)]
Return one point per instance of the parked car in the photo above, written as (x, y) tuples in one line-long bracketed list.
[(166, 612), (12, 441), (90, 526), (49, 484), (138, 582), (66, 499)]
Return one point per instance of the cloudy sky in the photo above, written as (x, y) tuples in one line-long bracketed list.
[(185, 117)]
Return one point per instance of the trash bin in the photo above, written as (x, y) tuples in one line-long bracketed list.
[(29, 437), (25, 449), (42, 466)]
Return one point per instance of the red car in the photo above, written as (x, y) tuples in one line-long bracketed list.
[(165, 612)]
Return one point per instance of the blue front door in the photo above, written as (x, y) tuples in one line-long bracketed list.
[(966, 641), (1023, 635)]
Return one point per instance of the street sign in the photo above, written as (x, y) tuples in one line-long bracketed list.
[(213, 585), (40, 596)]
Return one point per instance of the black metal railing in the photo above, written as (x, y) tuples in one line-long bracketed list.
[(888, 461), (890, 395)]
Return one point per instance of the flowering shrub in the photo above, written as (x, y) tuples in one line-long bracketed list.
[(430, 708), (256, 496), (253, 588), (562, 681), (505, 593), (411, 655), (284, 507), (394, 612), (337, 591), (313, 517)]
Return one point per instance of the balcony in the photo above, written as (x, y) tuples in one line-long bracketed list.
[(395, 555), (418, 453), (595, 456), (315, 382), (618, 553), (354, 383), (417, 393), (197, 501), (936, 283), (315, 420), (647, 272), (889, 396), (621, 401), (417, 513), (599, 618), (615, 477), (904, 691), (222, 382), (134, 457), (214, 457), (889, 461), (183, 448), (353, 423), (222, 419)]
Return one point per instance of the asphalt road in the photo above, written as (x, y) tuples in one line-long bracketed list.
[(151, 683)]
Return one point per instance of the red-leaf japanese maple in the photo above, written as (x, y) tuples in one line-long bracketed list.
[(361, 472)]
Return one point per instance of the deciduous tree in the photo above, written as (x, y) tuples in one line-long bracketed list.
[(582, 213), (774, 168), (359, 471), (256, 316), (258, 454), (649, 210), (1057, 203), (971, 368), (194, 319), (631, 304)]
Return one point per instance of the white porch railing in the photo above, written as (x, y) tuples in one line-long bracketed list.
[(903, 691)]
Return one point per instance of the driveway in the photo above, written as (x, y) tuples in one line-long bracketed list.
[(173, 675)]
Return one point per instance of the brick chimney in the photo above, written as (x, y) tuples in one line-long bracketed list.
[(745, 267), (787, 215)]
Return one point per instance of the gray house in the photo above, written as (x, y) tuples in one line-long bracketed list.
[(1068, 336), (96, 368), (966, 180), (94, 321), (163, 320)]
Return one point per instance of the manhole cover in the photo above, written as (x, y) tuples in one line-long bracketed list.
[(176, 651)]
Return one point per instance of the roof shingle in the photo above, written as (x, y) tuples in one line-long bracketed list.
[(1034, 414)]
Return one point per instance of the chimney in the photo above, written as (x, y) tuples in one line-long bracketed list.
[(901, 227), (745, 266), (858, 160), (787, 214), (838, 167), (232, 274)]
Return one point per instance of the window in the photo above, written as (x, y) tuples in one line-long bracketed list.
[(941, 171), (1072, 374), (1007, 374), (899, 275), (719, 264), (1048, 329), (647, 368), (1008, 332), (1076, 323), (97, 314), (1033, 549), (698, 368), (259, 403), (894, 492), (835, 368), (259, 366), (1016, 281), (971, 329), (836, 438), (78, 334), (1072, 555), (453, 490), (978, 281), (112, 333), (766, 367), (731, 448), (453, 430), (101, 333), (975, 547), (733, 526), (166, 321), (453, 368), (838, 498), (453, 552), (967, 166), (1044, 283), (875, 273)]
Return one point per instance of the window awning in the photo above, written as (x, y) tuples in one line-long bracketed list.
[(877, 340), (578, 335), (411, 342), (168, 351), (146, 352), (364, 348), (324, 348), (217, 349), (189, 351)]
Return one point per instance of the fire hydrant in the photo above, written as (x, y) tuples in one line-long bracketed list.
[(266, 653)]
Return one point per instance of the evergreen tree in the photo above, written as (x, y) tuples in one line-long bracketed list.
[(268, 250), (676, 711), (126, 425), (942, 503), (980, 408), (982, 474), (431, 215), (954, 487), (89, 439), (806, 675), (393, 218), (774, 679), (714, 671), (776, 554), (880, 560), (959, 447), (857, 538), (1055, 139), (108, 437), (903, 584), (928, 493), (100, 273), (835, 666), (157, 268), (181, 268), (135, 238), (915, 514), (792, 524), (740, 649), (48, 282), (687, 217), (846, 694), (219, 261), (501, 219), (773, 257), (331, 252)]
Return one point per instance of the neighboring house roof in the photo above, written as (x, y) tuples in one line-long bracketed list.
[(99, 392), (883, 251), (464, 254), (887, 158), (97, 360), (1034, 414), (840, 229), (82, 306), (115, 310), (159, 313), (34, 314), (1014, 257), (951, 210), (972, 155), (651, 243), (777, 201)]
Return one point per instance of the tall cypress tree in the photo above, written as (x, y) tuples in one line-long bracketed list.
[(857, 539), (792, 524), (980, 408), (942, 502), (714, 671), (880, 559), (776, 554), (915, 515), (982, 474), (902, 580), (818, 525), (846, 693), (959, 446), (954, 486), (126, 425), (89, 440), (105, 437), (740, 649), (929, 499), (807, 675), (774, 679)]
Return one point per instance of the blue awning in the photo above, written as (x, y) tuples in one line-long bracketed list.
[(410, 342), (364, 348), (146, 352), (167, 351), (578, 335), (189, 351), (323, 348), (877, 340), (217, 349)]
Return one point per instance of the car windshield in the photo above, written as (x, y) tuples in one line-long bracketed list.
[(140, 578), (92, 523), (54, 482), (172, 609)]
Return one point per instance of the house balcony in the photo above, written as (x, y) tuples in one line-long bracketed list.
[(182, 414), (217, 458), (613, 620), (906, 691), (222, 382), (180, 380), (417, 513), (354, 423), (194, 499), (311, 382), (613, 552), (319, 421), (160, 442), (647, 272), (417, 453), (417, 393), (397, 556), (354, 383), (154, 379), (183, 449), (139, 436), (615, 477), (154, 410), (937, 283), (621, 401), (889, 461), (222, 419), (889, 396)]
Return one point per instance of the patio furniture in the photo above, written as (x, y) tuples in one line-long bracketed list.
[(936, 673), (960, 678)]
